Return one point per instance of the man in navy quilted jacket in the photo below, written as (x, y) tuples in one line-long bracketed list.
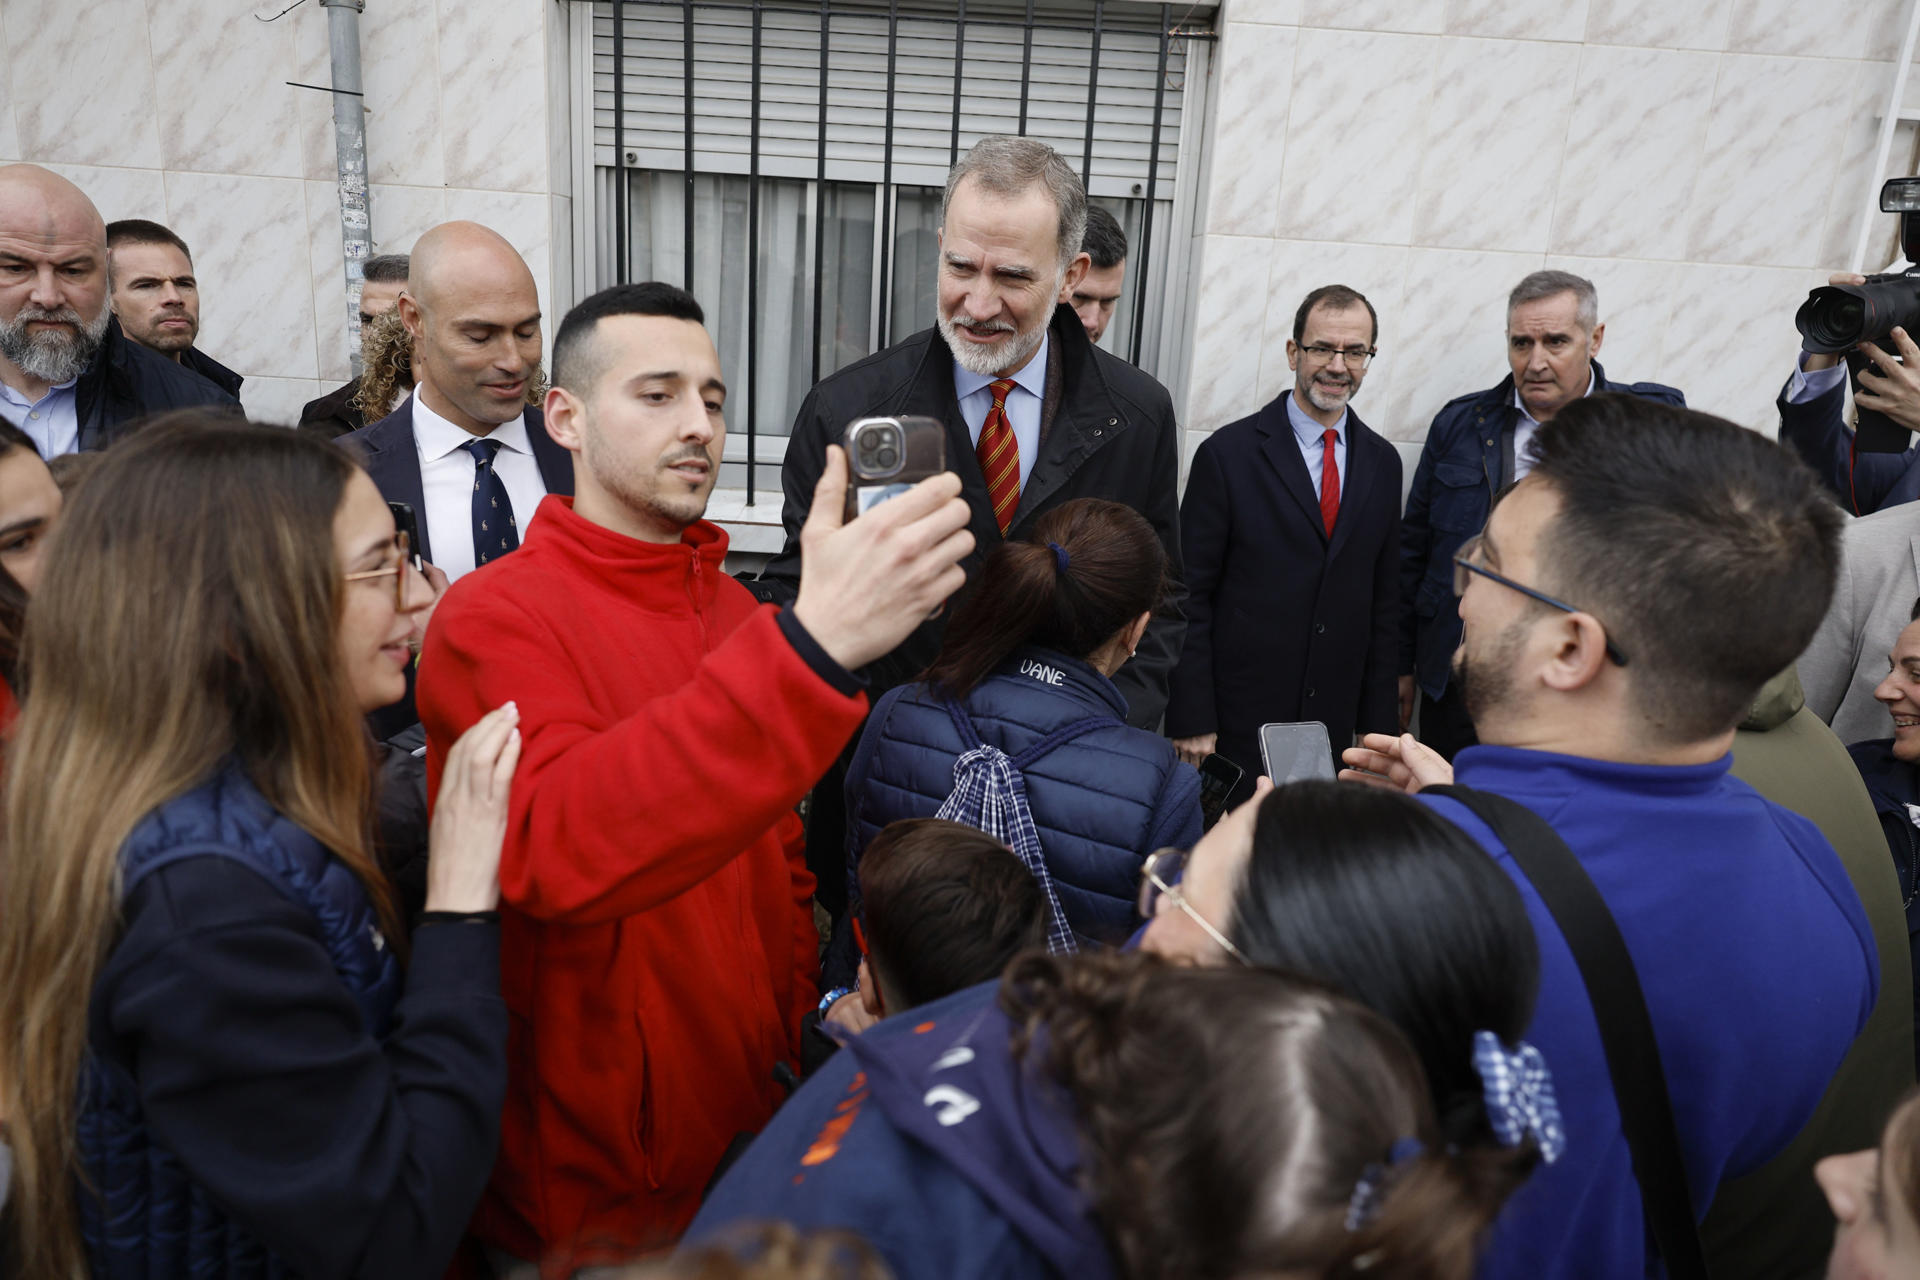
[(1476, 447)]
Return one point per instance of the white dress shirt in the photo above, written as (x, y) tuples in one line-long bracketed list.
[(1022, 406), (1524, 429), (52, 421), (1312, 440), (446, 482)]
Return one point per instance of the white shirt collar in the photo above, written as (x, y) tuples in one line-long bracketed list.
[(436, 437), (1521, 405), (1032, 375)]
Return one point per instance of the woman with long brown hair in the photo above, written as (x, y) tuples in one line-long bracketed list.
[(213, 1062)]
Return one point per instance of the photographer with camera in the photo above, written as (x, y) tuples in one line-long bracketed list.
[(1813, 418), (1864, 324)]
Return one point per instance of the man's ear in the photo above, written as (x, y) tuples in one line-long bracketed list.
[(411, 316), (1076, 272), (563, 413), (1593, 343), (1579, 654)]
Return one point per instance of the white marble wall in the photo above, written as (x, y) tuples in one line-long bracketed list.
[(1704, 164), (179, 111)]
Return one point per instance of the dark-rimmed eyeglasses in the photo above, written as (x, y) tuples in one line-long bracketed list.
[(1464, 568), (1160, 878), (1356, 357), (398, 570)]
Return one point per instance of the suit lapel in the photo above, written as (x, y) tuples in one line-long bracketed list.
[(1282, 449), (393, 460), (1355, 484), (932, 394), (555, 463)]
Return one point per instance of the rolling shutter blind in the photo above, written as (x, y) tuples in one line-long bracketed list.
[(991, 57)]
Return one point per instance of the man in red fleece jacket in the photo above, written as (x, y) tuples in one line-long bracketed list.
[(658, 948)]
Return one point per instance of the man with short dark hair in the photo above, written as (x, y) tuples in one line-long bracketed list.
[(69, 377), (1094, 298), (1291, 528), (157, 298), (659, 948), (1626, 602), (1476, 447), (383, 279)]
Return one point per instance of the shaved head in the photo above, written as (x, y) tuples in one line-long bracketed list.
[(39, 203), (53, 278), (460, 258), (473, 312)]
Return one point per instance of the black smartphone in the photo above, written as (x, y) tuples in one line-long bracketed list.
[(404, 522), (888, 456), (1291, 752), (1218, 777)]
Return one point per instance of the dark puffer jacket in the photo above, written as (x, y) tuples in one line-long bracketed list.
[(126, 383), (1101, 802), (261, 1099)]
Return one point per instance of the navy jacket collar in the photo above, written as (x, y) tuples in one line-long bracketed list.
[(1072, 677)]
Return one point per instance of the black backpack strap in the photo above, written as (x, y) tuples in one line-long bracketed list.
[(1619, 1006)]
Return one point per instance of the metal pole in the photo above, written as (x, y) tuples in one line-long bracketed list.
[(686, 233), (621, 193), (820, 202), (1026, 68), (1153, 173), (753, 260), (959, 61), (1093, 91), (886, 181), (350, 156)]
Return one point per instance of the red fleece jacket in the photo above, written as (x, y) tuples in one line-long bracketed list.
[(658, 946)]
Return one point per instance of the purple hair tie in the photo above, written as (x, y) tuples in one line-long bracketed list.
[(1060, 560)]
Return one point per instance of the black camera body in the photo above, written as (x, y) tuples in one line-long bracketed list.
[(1837, 318)]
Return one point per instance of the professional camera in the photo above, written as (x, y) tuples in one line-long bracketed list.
[(1839, 317)]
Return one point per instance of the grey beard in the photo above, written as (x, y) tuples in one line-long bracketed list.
[(52, 357), (988, 361)]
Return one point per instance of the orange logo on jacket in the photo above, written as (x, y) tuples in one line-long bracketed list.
[(827, 1144)]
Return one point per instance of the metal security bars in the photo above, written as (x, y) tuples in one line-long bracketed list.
[(784, 162)]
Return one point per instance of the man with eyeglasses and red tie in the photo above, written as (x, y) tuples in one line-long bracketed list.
[(1291, 530), (1476, 447)]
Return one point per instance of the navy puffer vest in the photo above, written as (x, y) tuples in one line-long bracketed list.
[(1101, 802), (145, 1216)]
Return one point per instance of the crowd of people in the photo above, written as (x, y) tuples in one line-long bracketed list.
[(421, 855)]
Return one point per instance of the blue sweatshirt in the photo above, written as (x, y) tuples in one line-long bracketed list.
[(1758, 966), (930, 1141)]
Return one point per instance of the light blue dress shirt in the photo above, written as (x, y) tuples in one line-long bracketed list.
[(1311, 435), (1810, 384), (1023, 405), (52, 421)]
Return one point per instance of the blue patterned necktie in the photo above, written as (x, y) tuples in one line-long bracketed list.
[(494, 531)]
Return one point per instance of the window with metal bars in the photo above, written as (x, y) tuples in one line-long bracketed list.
[(784, 161)]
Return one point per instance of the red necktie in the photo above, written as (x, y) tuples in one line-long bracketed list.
[(999, 455), (1329, 481)]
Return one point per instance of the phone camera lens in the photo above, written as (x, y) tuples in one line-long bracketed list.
[(886, 458)]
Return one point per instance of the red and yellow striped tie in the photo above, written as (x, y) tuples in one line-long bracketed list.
[(999, 455)]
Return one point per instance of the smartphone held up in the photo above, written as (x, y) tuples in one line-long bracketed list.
[(887, 456)]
